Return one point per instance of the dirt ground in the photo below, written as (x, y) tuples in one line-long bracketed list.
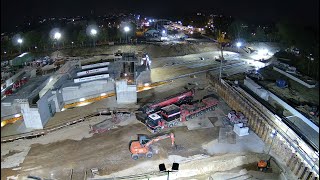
[(73, 150)]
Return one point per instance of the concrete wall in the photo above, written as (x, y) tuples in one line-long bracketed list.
[(295, 112), (293, 78), (254, 87), (126, 94), (89, 89), (10, 108), (46, 107), (31, 116)]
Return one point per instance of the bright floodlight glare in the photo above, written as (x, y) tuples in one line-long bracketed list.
[(93, 32), (20, 40), (57, 35), (238, 44), (126, 29), (263, 52), (163, 31)]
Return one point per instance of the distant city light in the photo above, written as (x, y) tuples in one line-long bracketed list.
[(82, 99), (17, 115)]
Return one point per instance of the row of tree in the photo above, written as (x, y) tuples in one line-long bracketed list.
[(72, 35)]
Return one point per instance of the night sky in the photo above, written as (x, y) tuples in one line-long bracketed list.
[(306, 12)]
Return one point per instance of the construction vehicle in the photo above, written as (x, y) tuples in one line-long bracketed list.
[(170, 116), (178, 99), (143, 146), (264, 165), (140, 32), (237, 117)]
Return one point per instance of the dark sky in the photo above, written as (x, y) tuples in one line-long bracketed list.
[(302, 11)]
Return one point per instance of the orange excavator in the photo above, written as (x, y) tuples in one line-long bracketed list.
[(142, 146), (264, 165)]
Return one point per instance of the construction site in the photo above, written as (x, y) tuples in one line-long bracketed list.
[(125, 112)]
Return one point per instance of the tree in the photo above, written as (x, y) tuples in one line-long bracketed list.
[(32, 39), (82, 37), (260, 34), (103, 35)]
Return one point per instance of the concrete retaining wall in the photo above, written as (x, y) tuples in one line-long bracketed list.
[(31, 116), (126, 94), (301, 160), (293, 78), (90, 89)]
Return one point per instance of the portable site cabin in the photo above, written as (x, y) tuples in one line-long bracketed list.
[(22, 59)]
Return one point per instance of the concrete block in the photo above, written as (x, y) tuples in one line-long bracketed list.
[(240, 130)]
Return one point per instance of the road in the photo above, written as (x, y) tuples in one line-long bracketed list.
[(173, 67)]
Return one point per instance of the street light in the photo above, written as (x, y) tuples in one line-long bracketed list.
[(126, 30), (239, 44), (20, 41), (93, 33), (57, 36)]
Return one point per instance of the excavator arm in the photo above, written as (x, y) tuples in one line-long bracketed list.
[(158, 138)]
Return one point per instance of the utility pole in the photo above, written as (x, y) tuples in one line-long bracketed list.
[(221, 40)]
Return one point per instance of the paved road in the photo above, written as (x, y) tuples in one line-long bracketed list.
[(174, 67)]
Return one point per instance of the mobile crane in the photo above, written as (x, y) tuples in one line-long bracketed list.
[(143, 146)]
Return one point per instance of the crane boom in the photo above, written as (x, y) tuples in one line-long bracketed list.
[(158, 138)]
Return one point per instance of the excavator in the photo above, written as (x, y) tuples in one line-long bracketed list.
[(264, 165), (142, 146)]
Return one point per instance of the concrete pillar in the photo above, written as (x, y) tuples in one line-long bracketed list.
[(287, 151), (265, 133), (313, 176), (261, 130), (293, 162), (291, 159), (302, 170), (258, 127), (306, 174), (297, 167)]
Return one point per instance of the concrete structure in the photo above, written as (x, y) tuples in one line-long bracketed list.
[(91, 78), (90, 66), (45, 95), (294, 78), (287, 145), (240, 130), (73, 93), (126, 94), (254, 87), (92, 71)]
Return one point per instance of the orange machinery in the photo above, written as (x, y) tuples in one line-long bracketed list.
[(264, 165), (142, 146)]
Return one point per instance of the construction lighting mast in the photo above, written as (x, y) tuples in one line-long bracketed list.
[(222, 41)]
